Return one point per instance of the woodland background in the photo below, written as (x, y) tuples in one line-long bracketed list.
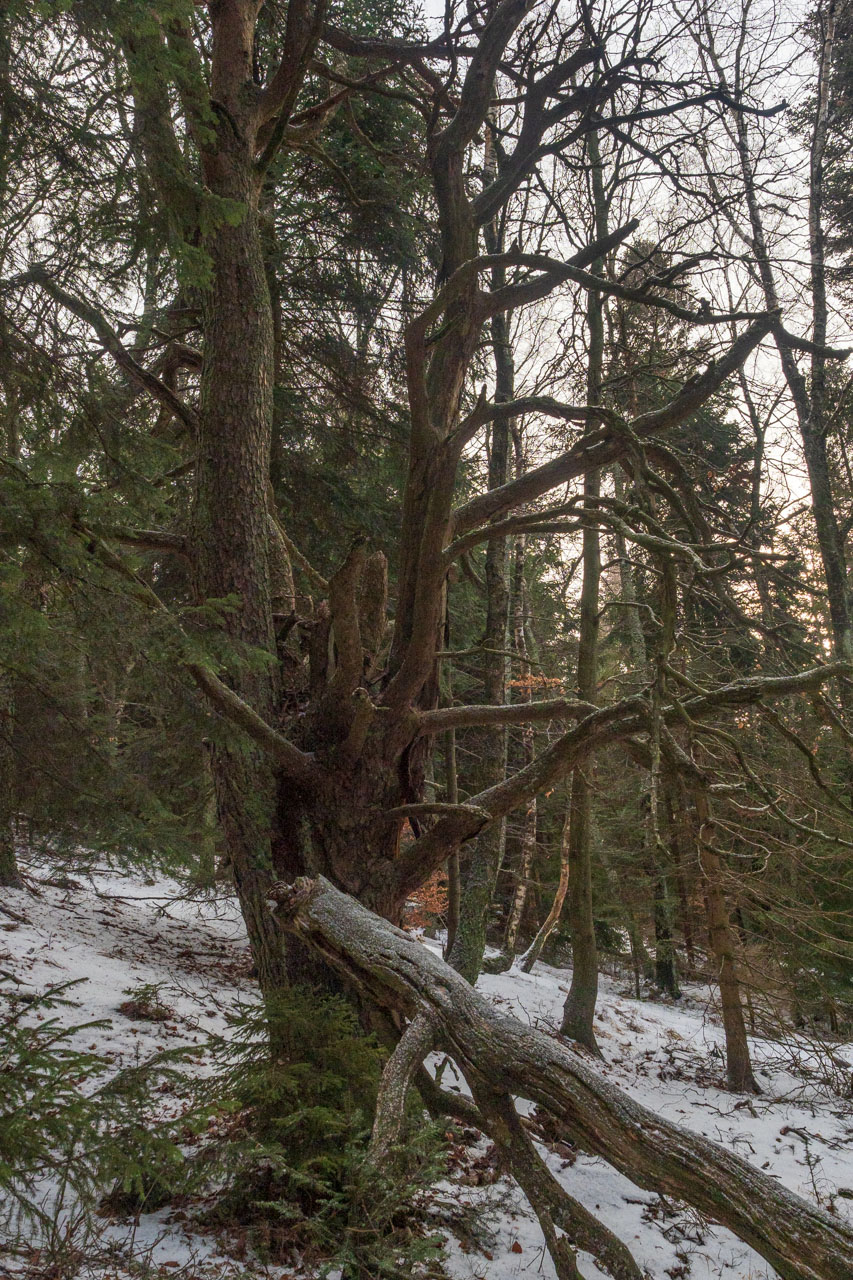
[(426, 482)]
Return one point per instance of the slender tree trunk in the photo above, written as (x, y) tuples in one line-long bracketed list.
[(721, 938), (666, 973), (627, 589), (666, 976), (454, 887), (485, 859), (10, 876), (525, 866), (579, 1008), (676, 818), (550, 922), (528, 835), (808, 395)]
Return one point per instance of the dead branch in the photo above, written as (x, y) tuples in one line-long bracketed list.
[(397, 972)]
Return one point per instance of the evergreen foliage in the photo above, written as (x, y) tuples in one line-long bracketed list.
[(295, 1155), (65, 1111)]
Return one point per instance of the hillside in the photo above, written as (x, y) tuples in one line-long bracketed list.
[(120, 937)]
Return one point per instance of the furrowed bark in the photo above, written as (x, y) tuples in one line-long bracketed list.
[(230, 525), (798, 1239)]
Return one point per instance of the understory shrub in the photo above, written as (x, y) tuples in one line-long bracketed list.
[(71, 1127), (47, 1120), (296, 1145), (275, 1138)]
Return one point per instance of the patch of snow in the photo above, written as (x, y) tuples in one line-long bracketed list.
[(116, 934)]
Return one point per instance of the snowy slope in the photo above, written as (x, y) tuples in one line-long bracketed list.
[(117, 933), (664, 1055)]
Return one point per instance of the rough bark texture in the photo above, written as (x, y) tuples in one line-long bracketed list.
[(230, 517), (9, 875), (798, 1239)]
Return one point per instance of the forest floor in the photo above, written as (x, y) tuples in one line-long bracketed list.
[(120, 934)]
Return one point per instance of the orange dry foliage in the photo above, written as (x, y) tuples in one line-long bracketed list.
[(531, 682), (429, 904)]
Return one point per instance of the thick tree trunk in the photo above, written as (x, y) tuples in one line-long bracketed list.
[(798, 1239), (10, 877), (230, 517)]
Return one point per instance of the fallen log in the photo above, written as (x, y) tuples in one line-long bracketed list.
[(799, 1240)]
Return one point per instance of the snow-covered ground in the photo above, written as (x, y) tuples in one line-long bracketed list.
[(119, 933)]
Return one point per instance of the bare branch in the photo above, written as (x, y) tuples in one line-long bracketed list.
[(111, 341), (600, 728), (479, 79), (398, 973), (607, 446), (434, 807), (404, 51), (442, 718), (149, 540), (298, 765), (553, 272)]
